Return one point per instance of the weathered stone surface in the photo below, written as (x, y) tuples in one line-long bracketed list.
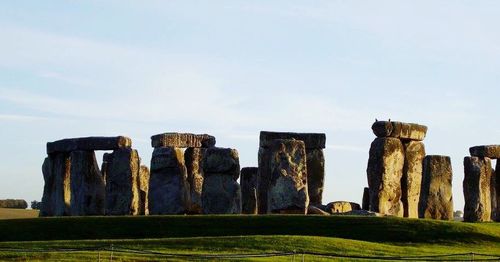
[(122, 183), (182, 140), (411, 181), (168, 187), (221, 193), (87, 185), (399, 130), (493, 196), (143, 190), (249, 190), (313, 210), (288, 182), (342, 207), (476, 185), (263, 179), (436, 199), (366, 199), (497, 189), (193, 157), (315, 175), (13, 203), (385, 170), (88, 144), (107, 158), (56, 191), (489, 151), (311, 140)]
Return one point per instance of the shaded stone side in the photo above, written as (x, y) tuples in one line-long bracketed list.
[(56, 192), (88, 144), (122, 183), (411, 182), (193, 157), (366, 199), (143, 190), (493, 196), (497, 189), (168, 187), (489, 151), (315, 175), (221, 193), (476, 186), (249, 190), (311, 140), (436, 200), (288, 182), (263, 179), (384, 171), (182, 140), (87, 185), (107, 158)]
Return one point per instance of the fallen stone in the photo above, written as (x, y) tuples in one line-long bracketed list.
[(384, 171), (221, 193), (315, 175), (436, 199), (56, 191), (490, 151), (13, 203), (143, 190), (366, 199), (193, 157), (87, 185), (313, 210), (476, 186), (411, 181), (168, 187), (88, 144), (249, 190), (182, 140), (342, 207), (311, 140), (400, 130), (288, 182), (122, 183)]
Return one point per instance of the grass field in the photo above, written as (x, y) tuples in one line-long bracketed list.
[(11, 213), (160, 237)]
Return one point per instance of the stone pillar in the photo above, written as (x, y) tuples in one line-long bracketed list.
[(493, 196), (385, 170), (143, 190), (314, 144), (193, 157), (288, 191), (56, 192), (436, 199), (476, 187), (249, 190), (221, 193), (412, 177), (122, 187), (87, 185), (107, 158), (168, 187), (497, 190), (365, 205)]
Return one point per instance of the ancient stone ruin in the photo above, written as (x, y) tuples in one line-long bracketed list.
[(308, 170), (481, 184), (436, 199), (248, 183)]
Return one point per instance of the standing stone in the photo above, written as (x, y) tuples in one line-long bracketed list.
[(122, 188), (56, 192), (477, 192), (412, 177), (493, 198), (436, 199), (497, 189), (385, 170), (249, 190), (288, 182), (107, 158), (193, 157), (365, 205), (168, 187), (263, 179), (315, 175), (87, 185), (143, 190), (221, 193)]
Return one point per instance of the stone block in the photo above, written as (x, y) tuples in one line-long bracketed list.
[(411, 181), (476, 186), (182, 140), (436, 200), (489, 151), (88, 144), (405, 131), (311, 140), (249, 190), (193, 158)]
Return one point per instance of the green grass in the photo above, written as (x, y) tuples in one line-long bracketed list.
[(12, 213), (337, 235)]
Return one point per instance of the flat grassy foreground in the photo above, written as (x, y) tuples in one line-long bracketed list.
[(198, 237), (12, 213)]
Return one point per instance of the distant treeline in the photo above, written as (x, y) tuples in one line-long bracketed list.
[(13, 203)]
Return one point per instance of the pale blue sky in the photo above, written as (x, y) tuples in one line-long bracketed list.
[(233, 68)]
